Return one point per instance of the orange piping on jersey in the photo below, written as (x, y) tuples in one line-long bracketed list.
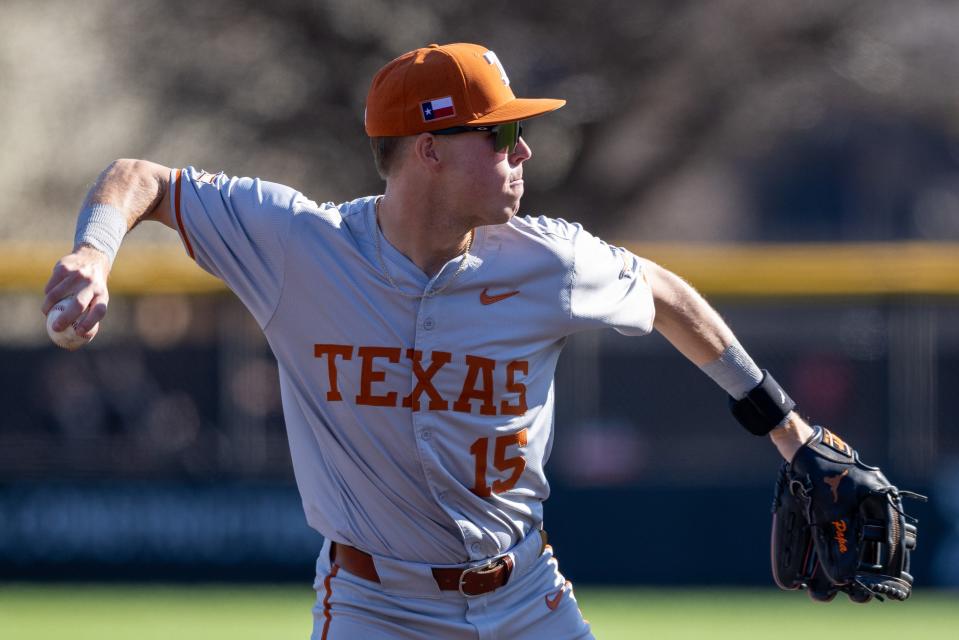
[(326, 601), (179, 217)]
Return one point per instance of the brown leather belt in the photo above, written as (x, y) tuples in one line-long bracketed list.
[(473, 581)]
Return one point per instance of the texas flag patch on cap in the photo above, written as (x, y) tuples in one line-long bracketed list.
[(437, 109)]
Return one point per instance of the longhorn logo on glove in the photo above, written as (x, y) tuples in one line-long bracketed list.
[(833, 482)]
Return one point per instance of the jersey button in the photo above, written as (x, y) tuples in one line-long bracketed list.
[(428, 324), (426, 435)]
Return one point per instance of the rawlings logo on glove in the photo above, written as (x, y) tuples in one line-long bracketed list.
[(838, 525)]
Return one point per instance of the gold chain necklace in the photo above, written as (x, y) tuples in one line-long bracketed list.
[(379, 255)]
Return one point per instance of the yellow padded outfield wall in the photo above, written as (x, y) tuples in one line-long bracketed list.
[(754, 270)]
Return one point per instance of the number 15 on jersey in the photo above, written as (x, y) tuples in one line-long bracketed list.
[(515, 464)]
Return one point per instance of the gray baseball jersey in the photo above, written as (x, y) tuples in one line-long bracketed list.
[(419, 411)]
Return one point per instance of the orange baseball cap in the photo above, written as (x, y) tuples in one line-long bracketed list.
[(441, 86)]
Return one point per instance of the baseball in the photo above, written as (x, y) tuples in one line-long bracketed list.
[(68, 338)]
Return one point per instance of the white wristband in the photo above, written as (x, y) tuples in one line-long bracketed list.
[(102, 226), (734, 371)]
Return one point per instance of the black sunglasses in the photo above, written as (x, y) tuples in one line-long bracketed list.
[(507, 134)]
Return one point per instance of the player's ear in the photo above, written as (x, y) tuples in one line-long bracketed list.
[(427, 151)]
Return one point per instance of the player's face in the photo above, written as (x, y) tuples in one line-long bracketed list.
[(484, 183)]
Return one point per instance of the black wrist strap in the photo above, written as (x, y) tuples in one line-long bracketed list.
[(763, 408)]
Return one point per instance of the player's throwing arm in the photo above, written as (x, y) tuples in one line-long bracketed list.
[(76, 295)]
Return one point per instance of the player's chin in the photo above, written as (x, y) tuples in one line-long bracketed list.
[(510, 210), (515, 195)]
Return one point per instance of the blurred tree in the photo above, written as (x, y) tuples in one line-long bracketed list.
[(682, 119)]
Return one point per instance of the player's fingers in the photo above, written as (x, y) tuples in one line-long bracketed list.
[(58, 291), (71, 308), (96, 310), (85, 296), (55, 285), (82, 276), (60, 271), (81, 300)]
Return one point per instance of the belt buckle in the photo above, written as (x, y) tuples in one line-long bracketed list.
[(489, 564)]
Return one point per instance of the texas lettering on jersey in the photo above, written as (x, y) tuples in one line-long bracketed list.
[(477, 383)]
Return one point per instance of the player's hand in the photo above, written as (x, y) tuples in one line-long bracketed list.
[(81, 276), (791, 435)]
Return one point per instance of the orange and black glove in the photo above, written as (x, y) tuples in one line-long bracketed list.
[(839, 525)]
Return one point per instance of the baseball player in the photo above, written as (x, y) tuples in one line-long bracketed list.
[(417, 333)]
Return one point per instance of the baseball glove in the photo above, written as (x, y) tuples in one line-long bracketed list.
[(839, 525)]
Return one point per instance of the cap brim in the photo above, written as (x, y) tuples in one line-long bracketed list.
[(519, 109)]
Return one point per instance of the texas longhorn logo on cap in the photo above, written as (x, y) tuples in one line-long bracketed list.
[(491, 58)]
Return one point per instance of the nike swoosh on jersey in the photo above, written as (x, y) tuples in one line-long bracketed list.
[(553, 602), (486, 298)]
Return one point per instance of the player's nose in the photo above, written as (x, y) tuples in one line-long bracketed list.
[(521, 153)]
